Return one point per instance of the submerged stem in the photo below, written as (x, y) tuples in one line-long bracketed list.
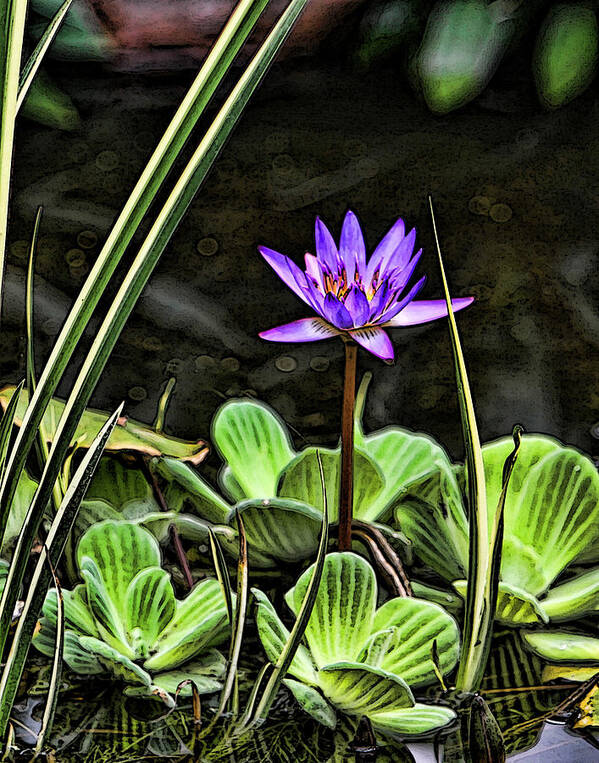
[(346, 494)]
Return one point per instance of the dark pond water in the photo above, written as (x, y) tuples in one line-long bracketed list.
[(318, 139)]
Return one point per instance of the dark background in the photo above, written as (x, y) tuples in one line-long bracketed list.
[(318, 138)]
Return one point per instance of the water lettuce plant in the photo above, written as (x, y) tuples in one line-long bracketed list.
[(125, 622), (551, 520), (277, 490), (360, 660)]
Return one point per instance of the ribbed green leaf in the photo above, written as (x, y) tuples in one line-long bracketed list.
[(77, 614), (255, 443), (573, 599), (200, 621), (205, 672), (403, 457), (312, 701), (343, 613), (358, 689), (117, 485), (184, 486), (300, 480), (115, 662), (107, 616), (149, 607), (285, 529), (403, 632), (431, 514), (273, 635), (515, 607), (418, 720), (75, 655), (551, 509), (561, 646), (119, 550)]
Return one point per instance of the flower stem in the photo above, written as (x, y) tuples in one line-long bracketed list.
[(346, 496)]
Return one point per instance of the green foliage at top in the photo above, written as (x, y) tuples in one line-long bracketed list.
[(124, 620), (551, 519), (359, 659), (277, 489)]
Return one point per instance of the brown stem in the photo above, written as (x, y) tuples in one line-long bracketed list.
[(380, 547), (346, 496)]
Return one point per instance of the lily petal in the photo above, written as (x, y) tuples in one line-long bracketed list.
[(387, 245), (313, 269), (352, 248), (358, 306), (335, 312), (395, 308), (303, 330), (399, 278), (375, 340), (425, 310), (288, 272), (326, 249)]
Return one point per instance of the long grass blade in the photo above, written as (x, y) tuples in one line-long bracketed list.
[(7, 423), (55, 676), (476, 618), (12, 30), (51, 551), (42, 439), (238, 622), (40, 50), (496, 539), (302, 619), (216, 65), (135, 280), (222, 573)]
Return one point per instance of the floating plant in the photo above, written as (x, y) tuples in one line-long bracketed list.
[(551, 519), (124, 621), (359, 660)]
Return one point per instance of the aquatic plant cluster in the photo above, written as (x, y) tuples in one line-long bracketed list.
[(371, 577)]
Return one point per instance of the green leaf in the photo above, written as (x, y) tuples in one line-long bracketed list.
[(107, 616), (551, 509), (119, 485), (285, 529), (184, 486), (561, 646), (128, 435), (200, 621), (77, 614), (418, 720), (343, 613), (569, 673), (566, 53), (229, 484), (312, 701), (300, 480), (462, 46), (403, 632), (115, 662), (149, 606), (119, 550), (205, 672), (18, 511), (273, 635), (432, 516), (573, 599), (358, 689), (255, 443), (403, 457), (515, 607)]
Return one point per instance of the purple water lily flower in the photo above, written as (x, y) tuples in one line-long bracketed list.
[(353, 297)]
